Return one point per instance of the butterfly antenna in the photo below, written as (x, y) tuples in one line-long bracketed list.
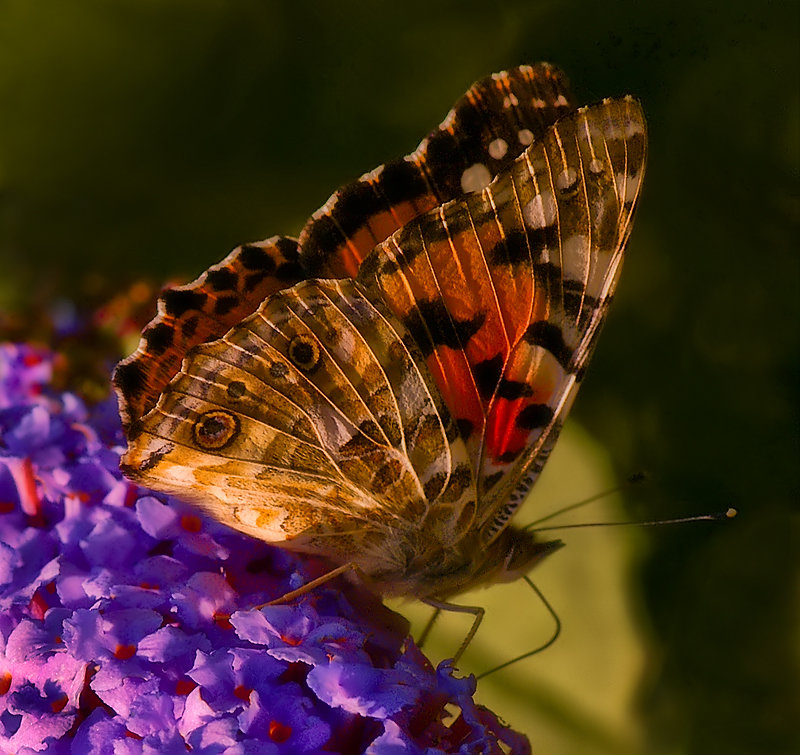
[(634, 479), (716, 517), (553, 638)]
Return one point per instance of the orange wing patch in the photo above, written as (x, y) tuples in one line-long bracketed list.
[(201, 311)]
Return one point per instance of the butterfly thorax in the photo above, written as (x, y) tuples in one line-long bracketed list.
[(467, 565)]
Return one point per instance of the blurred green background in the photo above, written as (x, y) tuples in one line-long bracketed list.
[(144, 139)]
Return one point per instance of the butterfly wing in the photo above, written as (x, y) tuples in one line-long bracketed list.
[(313, 423), (504, 291), (486, 130)]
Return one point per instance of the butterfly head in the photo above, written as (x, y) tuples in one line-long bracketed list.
[(513, 554)]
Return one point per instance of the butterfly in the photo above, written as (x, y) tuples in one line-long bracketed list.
[(383, 391)]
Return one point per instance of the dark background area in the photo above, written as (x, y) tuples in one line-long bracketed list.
[(140, 139)]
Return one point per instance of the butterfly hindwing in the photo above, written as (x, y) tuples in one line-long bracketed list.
[(198, 312), (481, 136)]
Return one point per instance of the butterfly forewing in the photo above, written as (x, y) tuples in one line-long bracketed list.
[(504, 290), (594, 163)]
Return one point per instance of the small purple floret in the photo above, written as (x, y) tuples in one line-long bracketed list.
[(129, 625)]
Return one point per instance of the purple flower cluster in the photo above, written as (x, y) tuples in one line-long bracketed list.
[(129, 624)]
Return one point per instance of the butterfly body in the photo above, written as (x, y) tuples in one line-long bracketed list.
[(394, 416)]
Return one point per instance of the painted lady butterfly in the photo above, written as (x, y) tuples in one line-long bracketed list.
[(384, 391)]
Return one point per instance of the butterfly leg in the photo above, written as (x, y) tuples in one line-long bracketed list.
[(427, 630), (476, 611), (309, 586)]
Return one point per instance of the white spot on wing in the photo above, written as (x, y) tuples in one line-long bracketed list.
[(540, 212), (633, 127), (498, 148), (567, 179), (627, 186), (575, 257), (612, 131), (589, 267), (525, 136), (475, 178)]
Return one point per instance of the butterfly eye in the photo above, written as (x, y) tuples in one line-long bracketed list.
[(214, 430), (304, 353)]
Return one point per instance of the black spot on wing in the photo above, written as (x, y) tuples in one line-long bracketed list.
[(278, 370), (291, 272), (549, 336), (487, 375), (356, 447), (512, 389), (547, 276), (189, 327), (223, 279), (465, 427), (386, 476), (252, 280), (534, 416), (431, 325), (256, 258), (236, 389), (225, 304), (445, 164), (577, 302), (130, 378), (322, 239), (546, 237), (402, 181), (434, 485), (178, 302), (451, 429), (370, 429), (488, 482), (512, 250), (524, 247), (158, 338)]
